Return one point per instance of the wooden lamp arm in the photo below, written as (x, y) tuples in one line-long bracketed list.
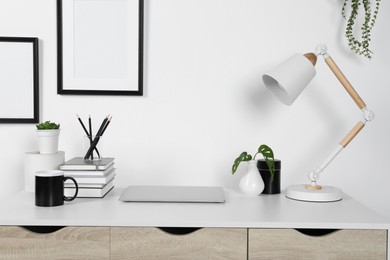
[(367, 116), (315, 175), (354, 131), (344, 81)]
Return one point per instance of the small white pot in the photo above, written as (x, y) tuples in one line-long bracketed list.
[(48, 140), (251, 183)]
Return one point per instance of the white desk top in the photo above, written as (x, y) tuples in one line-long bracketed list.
[(265, 211)]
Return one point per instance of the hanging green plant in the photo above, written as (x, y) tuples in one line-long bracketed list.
[(361, 47)]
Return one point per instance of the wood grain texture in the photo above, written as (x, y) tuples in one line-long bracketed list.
[(343, 244), (354, 131), (67, 243), (311, 57), (346, 84), (153, 243)]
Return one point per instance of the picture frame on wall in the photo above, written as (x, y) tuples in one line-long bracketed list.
[(19, 80), (100, 47)]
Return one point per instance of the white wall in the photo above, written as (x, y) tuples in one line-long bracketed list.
[(204, 100)]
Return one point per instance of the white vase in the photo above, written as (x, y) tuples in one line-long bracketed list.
[(251, 183), (48, 140)]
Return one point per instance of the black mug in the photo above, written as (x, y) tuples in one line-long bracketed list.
[(49, 188)]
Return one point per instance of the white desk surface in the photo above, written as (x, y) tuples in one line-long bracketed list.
[(265, 211)]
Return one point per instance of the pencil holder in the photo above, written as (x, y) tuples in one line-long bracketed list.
[(94, 140), (95, 155)]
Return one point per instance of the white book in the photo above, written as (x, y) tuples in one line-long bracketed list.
[(90, 192), (76, 173), (78, 163), (84, 185), (95, 179)]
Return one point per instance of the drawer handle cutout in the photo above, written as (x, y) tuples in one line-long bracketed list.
[(42, 229), (314, 232), (178, 230)]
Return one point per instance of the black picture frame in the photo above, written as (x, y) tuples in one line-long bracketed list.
[(136, 86), (19, 79)]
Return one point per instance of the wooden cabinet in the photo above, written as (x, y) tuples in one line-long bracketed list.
[(291, 244), (150, 243), (154, 243), (67, 243)]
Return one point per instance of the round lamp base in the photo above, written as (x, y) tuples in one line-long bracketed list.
[(325, 194)]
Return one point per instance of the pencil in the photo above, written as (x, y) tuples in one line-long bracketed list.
[(105, 127), (102, 126), (96, 139), (82, 124), (86, 132), (90, 134)]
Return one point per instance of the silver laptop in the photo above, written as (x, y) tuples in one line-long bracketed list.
[(204, 194)]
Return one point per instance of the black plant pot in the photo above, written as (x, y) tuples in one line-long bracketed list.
[(274, 186)]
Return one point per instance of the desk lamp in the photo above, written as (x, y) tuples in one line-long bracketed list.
[(287, 81)]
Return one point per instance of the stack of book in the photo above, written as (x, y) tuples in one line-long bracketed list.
[(94, 178)]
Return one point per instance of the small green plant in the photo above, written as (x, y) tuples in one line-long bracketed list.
[(47, 125), (268, 156), (361, 47)]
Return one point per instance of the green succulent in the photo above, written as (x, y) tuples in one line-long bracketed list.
[(47, 125), (360, 47), (268, 156)]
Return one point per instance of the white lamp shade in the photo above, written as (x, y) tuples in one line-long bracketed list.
[(288, 79)]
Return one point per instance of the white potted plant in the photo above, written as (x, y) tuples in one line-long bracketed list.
[(48, 134), (258, 179)]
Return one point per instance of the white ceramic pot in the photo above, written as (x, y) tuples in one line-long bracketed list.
[(251, 183), (48, 140)]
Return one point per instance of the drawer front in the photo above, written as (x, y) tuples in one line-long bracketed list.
[(342, 244), (67, 243), (154, 243)]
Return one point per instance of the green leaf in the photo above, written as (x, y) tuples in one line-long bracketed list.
[(244, 156), (370, 16), (47, 125), (268, 155)]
